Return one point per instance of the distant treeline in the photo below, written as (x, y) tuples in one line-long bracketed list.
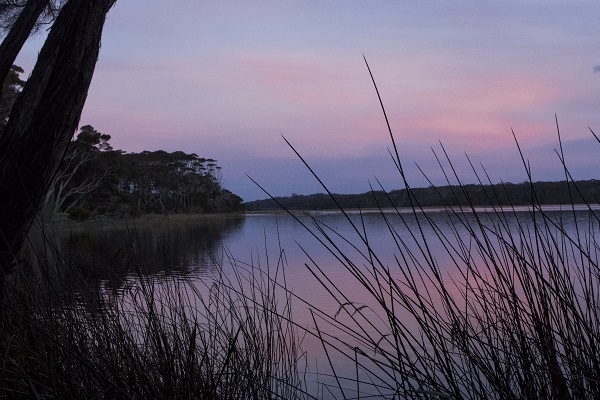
[(478, 195), (95, 179)]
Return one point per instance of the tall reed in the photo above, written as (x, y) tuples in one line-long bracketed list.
[(521, 321), (157, 337)]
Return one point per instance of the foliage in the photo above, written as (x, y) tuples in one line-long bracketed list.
[(519, 320), (555, 193), (78, 176), (152, 339), (10, 10), (11, 88), (98, 180)]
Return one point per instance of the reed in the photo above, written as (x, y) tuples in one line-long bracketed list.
[(521, 321), (67, 336)]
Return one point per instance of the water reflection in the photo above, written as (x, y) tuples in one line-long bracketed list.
[(438, 238), (181, 247), (111, 253), (464, 250)]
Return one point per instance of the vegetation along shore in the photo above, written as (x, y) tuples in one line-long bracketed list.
[(494, 303)]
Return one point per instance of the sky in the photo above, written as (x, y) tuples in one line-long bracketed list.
[(230, 79)]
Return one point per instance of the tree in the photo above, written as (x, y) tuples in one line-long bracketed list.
[(94, 179), (10, 90), (158, 181), (77, 176), (11, 9), (19, 19), (92, 139), (20, 30), (45, 114)]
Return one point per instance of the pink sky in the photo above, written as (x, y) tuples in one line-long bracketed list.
[(225, 80)]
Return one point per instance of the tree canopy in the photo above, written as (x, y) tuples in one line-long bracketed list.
[(95, 179), (11, 9), (477, 195), (12, 86)]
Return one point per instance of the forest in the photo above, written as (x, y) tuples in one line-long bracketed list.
[(504, 194), (95, 179)]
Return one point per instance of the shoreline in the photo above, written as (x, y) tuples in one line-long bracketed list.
[(434, 209), (150, 220)]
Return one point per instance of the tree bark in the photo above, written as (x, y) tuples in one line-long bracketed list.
[(18, 34), (44, 118)]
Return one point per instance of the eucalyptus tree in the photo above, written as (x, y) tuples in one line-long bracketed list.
[(158, 181), (19, 19), (79, 174), (46, 113), (11, 88), (10, 10)]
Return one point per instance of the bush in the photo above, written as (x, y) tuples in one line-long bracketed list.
[(156, 338), (79, 214)]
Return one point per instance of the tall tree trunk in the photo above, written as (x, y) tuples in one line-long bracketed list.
[(18, 34), (44, 118)]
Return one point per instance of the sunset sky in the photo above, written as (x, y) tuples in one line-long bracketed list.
[(226, 79)]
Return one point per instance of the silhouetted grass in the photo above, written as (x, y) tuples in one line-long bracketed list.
[(157, 337), (521, 321)]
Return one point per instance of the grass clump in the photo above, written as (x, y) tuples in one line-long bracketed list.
[(156, 337), (520, 319)]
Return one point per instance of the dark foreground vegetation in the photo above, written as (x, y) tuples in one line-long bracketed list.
[(64, 335), (521, 321), (36, 132), (555, 193)]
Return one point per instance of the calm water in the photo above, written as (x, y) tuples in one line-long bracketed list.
[(270, 242)]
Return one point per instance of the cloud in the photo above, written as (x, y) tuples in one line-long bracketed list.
[(596, 68)]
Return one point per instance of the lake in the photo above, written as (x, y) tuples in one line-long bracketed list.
[(352, 268)]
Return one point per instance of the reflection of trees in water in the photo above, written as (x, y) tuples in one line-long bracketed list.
[(111, 253)]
